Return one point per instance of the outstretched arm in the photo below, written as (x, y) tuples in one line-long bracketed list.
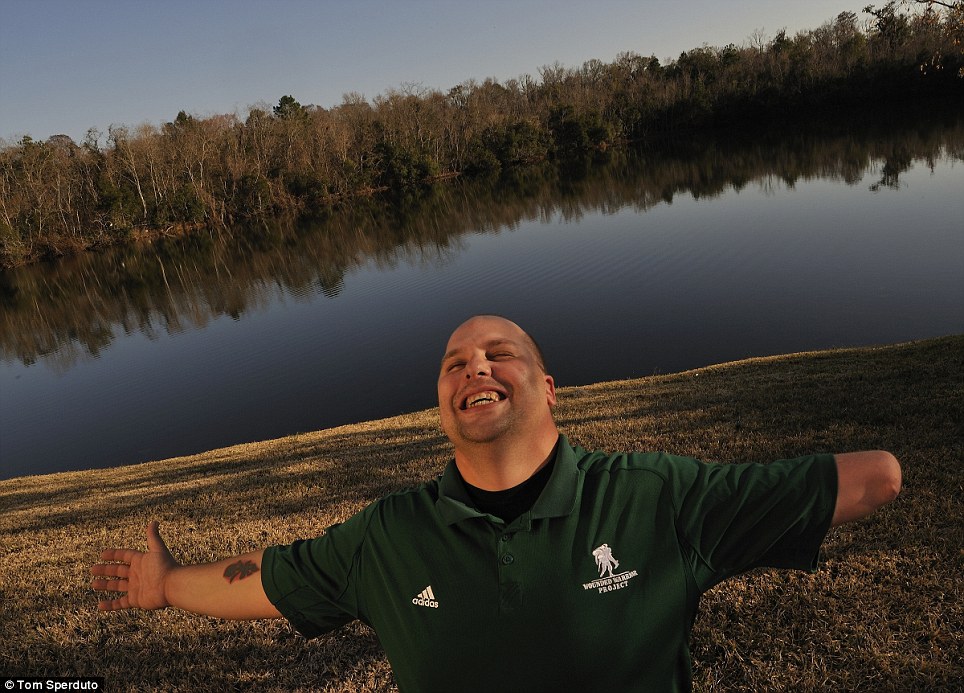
[(229, 589), (865, 481)]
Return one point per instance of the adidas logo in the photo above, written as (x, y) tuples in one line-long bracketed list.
[(426, 598)]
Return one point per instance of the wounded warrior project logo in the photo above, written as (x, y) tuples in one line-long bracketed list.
[(609, 581)]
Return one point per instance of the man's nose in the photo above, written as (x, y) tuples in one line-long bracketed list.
[(478, 366)]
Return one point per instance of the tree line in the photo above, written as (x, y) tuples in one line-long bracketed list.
[(74, 310), (58, 196)]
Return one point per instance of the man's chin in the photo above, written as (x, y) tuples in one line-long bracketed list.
[(479, 433)]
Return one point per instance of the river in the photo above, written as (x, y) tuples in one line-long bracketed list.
[(648, 261)]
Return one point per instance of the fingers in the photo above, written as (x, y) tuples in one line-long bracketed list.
[(111, 577), (154, 541), (121, 570), (114, 604), (122, 555), (101, 585), (111, 585)]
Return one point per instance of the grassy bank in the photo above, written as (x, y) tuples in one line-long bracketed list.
[(885, 612)]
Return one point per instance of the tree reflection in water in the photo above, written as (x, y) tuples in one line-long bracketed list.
[(75, 308)]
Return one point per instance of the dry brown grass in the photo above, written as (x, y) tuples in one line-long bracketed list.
[(885, 612)]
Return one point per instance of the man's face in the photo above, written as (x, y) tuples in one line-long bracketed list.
[(491, 383)]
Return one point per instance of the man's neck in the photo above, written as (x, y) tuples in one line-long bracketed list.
[(502, 464)]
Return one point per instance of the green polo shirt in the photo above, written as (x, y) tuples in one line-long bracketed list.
[(595, 588)]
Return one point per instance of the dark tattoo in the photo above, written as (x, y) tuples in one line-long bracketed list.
[(240, 570)]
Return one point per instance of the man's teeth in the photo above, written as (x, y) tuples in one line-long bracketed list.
[(482, 398)]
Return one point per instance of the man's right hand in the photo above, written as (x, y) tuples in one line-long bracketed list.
[(230, 588), (140, 574)]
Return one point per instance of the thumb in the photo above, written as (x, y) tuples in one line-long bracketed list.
[(154, 541)]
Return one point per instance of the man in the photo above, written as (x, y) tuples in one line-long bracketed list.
[(529, 564)]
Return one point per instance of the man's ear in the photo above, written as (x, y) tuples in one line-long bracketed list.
[(550, 391)]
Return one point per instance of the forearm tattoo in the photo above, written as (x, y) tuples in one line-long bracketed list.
[(240, 570)]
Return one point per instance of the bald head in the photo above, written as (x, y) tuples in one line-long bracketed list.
[(526, 337)]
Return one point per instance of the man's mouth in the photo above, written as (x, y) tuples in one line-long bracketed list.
[(480, 399)]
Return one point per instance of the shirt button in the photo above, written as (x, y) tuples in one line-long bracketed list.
[(506, 537), (507, 559)]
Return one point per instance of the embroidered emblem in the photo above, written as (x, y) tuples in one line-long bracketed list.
[(608, 580), (605, 560), (426, 598)]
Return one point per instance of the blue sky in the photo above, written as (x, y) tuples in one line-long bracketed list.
[(69, 65)]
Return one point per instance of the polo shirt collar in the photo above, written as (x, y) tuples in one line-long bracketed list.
[(557, 499)]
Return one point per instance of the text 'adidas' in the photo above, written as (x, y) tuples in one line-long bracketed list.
[(426, 598)]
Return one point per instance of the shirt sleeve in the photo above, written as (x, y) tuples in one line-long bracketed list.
[(734, 517), (309, 581)]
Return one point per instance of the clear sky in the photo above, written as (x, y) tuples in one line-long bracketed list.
[(69, 65)]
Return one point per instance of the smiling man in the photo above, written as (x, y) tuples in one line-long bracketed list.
[(530, 564), (495, 403)]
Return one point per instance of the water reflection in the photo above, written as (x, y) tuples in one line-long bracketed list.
[(72, 309)]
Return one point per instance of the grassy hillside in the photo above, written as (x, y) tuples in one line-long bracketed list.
[(885, 612)]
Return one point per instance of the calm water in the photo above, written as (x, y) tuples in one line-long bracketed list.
[(650, 264)]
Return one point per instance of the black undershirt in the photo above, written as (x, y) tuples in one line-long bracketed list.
[(510, 503)]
